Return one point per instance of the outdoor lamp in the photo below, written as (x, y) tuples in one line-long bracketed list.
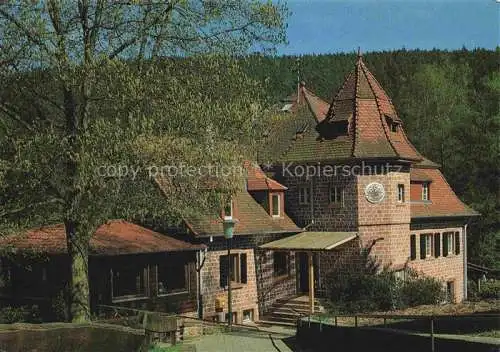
[(228, 225)]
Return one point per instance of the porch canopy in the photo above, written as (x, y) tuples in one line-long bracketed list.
[(311, 242)]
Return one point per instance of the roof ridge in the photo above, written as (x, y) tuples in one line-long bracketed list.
[(331, 110), (395, 112), (384, 127), (356, 108)]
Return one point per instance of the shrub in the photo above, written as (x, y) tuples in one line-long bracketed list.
[(26, 314), (365, 286), (490, 289), (416, 291)]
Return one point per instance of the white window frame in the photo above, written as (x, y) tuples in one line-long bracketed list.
[(451, 242), (304, 194), (336, 192), (278, 197), (425, 191), (429, 245), (401, 193)]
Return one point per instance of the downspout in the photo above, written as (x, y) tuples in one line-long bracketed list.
[(465, 261)]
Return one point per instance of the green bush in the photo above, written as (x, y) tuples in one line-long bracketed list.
[(490, 289), (366, 287), (23, 314), (416, 291)]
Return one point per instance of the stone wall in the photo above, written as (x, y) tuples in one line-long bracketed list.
[(386, 225), (262, 288), (447, 269)]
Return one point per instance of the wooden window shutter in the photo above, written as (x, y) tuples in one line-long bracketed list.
[(445, 245), (422, 247), (457, 242), (437, 245), (413, 247), (223, 270), (243, 267)]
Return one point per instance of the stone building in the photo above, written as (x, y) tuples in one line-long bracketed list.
[(349, 167), (336, 177)]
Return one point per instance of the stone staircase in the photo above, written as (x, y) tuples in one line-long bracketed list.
[(287, 311)]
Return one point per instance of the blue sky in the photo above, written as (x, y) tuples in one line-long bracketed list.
[(329, 26)]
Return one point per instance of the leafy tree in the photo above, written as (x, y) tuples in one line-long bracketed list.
[(70, 104)]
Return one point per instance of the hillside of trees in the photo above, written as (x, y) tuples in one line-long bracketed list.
[(449, 103)]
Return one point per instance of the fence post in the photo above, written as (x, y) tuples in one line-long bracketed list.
[(335, 320), (356, 321), (432, 334), (320, 325), (309, 320), (385, 322)]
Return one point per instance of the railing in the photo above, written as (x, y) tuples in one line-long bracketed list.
[(354, 320), (132, 317)]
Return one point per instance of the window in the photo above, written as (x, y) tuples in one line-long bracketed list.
[(448, 243), (172, 275), (401, 193), (275, 206), (247, 315), (304, 195), (400, 275), (234, 316), (238, 269), (425, 191), (129, 280), (394, 127), (228, 210), (336, 195), (426, 246), (281, 263), (413, 247)]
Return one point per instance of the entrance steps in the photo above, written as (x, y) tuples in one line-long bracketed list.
[(286, 311)]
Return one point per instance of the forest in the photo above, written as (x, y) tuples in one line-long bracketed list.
[(449, 104)]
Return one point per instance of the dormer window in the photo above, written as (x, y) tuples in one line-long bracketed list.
[(275, 205), (425, 191), (287, 108), (393, 125), (228, 210)]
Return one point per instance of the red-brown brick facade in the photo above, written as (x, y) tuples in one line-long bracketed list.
[(363, 139)]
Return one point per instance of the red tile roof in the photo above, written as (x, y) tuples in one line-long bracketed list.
[(316, 105), (258, 181), (116, 237), (363, 103), (252, 218), (443, 201)]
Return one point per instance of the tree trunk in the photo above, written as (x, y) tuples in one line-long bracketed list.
[(78, 245)]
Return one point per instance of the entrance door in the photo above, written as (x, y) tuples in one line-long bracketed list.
[(303, 271)]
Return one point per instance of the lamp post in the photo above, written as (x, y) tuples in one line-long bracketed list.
[(228, 225)]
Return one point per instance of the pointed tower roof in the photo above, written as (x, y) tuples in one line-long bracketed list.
[(305, 98), (373, 124)]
